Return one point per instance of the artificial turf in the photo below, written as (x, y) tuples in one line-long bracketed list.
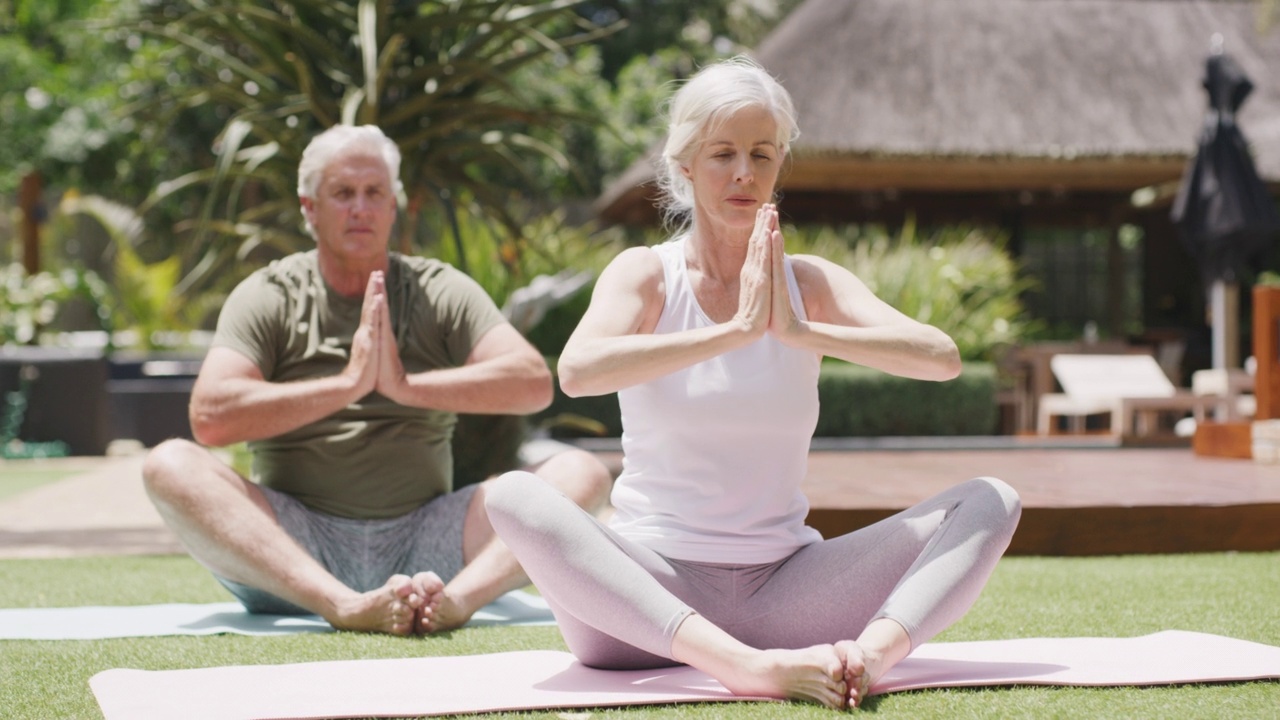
[(1234, 594)]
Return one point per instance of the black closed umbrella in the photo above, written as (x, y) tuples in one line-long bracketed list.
[(1223, 212)]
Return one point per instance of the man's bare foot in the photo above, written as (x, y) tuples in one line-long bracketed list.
[(431, 587), (388, 609), (861, 669), (814, 674), (443, 611)]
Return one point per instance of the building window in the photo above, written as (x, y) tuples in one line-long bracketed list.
[(1074, 285)]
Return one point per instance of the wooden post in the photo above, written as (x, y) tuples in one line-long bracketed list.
[(1266, 350), (1234, 439), (29, 202)]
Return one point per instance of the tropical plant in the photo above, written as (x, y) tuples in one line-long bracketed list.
[(958, 279), (144, 298), (29, 303), (545, 246), (434, 75)]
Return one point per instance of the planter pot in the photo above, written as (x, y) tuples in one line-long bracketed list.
[(149, 393), (66, 397)]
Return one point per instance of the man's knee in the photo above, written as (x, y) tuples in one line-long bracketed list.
[(580, 475), (177, 470), (167, 462)]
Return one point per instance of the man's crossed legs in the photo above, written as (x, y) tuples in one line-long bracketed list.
[(247, 539)]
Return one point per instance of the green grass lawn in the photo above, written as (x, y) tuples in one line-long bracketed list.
[(1229, 594), (16, 479)]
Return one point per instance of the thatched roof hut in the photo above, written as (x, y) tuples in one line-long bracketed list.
[(971, 109)]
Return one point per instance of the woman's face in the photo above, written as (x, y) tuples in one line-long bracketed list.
[(735, 169)]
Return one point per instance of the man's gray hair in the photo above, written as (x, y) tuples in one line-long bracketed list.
[(345, 140)]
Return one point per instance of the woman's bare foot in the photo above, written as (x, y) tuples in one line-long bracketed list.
[(861, 669), (814, 674), (880, 646), (388, 609)]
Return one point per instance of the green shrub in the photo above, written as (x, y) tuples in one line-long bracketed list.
[(567, 417), (550, 335), (30, 303), (855, 402), (861, 402), (485, 445), (957, 279)]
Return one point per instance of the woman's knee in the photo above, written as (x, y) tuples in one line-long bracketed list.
[(509, 494), (998, 498)]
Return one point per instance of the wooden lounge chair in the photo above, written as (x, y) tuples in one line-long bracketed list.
[(1131, 389)]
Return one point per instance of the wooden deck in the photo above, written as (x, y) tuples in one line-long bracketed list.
[(1076, 501)]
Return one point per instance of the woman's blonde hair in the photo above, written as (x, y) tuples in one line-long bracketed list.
[(704, 101)]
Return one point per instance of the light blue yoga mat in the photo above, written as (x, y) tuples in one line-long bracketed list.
[(95, 623)]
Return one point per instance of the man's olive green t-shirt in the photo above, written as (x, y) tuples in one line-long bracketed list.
[(374, 458)]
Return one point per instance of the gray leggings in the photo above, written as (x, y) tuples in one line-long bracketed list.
[(619, 604)]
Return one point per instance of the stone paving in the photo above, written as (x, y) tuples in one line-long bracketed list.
[(102, 508)]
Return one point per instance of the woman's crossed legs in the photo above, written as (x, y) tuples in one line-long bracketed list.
[(891, 586)]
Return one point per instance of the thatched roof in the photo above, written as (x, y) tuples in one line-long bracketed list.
[(979, 96)]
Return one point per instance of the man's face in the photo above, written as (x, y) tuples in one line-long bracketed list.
[(353, 210)]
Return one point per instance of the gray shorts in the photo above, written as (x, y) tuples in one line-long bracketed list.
[(362, 554)]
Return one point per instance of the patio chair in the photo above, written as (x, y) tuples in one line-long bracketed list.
[(1131, 389), (1232, 389)]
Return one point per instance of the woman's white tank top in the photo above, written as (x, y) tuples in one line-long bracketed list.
[(714, 454)]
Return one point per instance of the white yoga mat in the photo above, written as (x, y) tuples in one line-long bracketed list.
[(95, 623), (542, 680)]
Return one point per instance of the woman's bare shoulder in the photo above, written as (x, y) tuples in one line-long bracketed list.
[(634, 267)]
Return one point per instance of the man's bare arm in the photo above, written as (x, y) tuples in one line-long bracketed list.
[(232, 401), (504, 374)]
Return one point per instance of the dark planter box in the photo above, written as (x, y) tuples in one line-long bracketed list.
[(149, 394), (66, 395)]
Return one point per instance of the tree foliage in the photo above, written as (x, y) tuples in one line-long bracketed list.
[(55, 110), (436, 76)]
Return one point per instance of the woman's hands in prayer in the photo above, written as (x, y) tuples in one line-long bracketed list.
[(764, 299)]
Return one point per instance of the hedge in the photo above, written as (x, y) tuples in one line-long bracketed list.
[(860, 402), (855, 402)]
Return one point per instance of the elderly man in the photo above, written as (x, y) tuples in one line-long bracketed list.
[(344, 367)]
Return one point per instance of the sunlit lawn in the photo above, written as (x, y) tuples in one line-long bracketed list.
[(1228, 594)]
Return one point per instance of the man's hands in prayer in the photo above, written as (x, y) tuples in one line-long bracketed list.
[(375, 359)]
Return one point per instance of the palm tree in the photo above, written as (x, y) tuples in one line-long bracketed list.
[(434, 74)]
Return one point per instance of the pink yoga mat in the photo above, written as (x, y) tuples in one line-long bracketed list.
[(545, 679)]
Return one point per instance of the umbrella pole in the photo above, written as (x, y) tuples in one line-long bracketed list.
[(1224, 300)]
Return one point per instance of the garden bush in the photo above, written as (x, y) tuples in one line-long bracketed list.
[(959, 279), (856, 401), (860, 402), (485, 445)]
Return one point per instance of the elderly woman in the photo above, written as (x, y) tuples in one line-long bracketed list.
[(713, 342)]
